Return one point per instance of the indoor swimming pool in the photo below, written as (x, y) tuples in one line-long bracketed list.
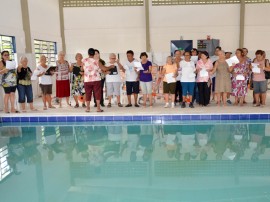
[(194, 161)]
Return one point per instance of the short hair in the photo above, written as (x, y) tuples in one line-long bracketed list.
[(188, 52), (112, 54), (205, 53), (61, 52), (77, 54), (143, 54), (259, 52), (176, 51), (240, 50), (91, 51), (130, 52), (218, 47), (245, 49), (96, 50), (22, 58)]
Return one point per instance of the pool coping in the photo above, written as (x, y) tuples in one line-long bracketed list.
[(154, 118)]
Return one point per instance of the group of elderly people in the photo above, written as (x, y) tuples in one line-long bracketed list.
[(184, 79)]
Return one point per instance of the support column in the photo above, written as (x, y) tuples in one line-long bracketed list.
[(242, 23), (62, 25), (147, 26), (26, 26)]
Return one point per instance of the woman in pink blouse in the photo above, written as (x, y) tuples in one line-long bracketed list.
[(62, 79), (204, 68)]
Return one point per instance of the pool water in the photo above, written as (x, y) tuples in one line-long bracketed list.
[(135, 162)]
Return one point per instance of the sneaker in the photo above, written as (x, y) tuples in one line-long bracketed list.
[(229, 102), (183, 105), (173, 104), (166, 105), (191, 105)]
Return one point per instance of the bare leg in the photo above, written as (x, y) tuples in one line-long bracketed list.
[(49, 100), (23, 107), (235, 100), (224, 96), (166, 96), (109, 100), (6, 98), (67, 100), (87, 106), (144, 99), (98, 105), (135, 99), (263, 98), (12, 102), (150, 99), (218, 98), (257, 98), (242, 101), (32, 106), (118, 99), (76, 99), (60, 102), (44, 101), (129, 99)]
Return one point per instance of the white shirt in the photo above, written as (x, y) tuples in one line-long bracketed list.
[(115, 77), (187, 71), (44, 79), (131, 74)]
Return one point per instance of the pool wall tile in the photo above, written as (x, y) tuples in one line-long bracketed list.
[(150, 118), (52, 119)]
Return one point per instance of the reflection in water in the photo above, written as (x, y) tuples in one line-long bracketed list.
[(94, 162)]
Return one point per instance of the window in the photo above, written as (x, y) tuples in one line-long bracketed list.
[(101, 3), (8, 43), (46, 48), (200, 2)]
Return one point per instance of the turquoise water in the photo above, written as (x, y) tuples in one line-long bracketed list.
[(135, 162)]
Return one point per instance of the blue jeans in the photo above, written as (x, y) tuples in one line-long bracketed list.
[(188, 88), (25, 91)]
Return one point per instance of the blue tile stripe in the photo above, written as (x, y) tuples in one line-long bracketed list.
[(151, 118)]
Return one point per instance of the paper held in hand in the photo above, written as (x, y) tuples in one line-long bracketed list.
[(34, 75), (11, 65), (240, 77), (170, 78), (138, 66), (255, 68), (232, 60), (204, 73)]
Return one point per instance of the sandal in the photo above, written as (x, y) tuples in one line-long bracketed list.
[(129, 105), (109, 105), (100, 110), (76, 106), (45, 108), (136, 105), (52, 107), (87, 110), (16, 111), (120, 105), (83, 105)]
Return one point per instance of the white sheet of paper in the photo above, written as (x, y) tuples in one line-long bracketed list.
[(170, 78), (34, 75), (204, 73), (11, 64), (232, 60), (138, 66), (240, 77), (194, 59), (256, 69)]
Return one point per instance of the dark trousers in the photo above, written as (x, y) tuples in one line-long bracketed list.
[(178, 92), (102, 96), (204, 93)]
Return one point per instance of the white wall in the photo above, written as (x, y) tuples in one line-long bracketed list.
[(114, 29), (11, 22), (45, 21)]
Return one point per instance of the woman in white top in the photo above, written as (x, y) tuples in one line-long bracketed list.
[(45, 82), (113, 80), (187, 79)]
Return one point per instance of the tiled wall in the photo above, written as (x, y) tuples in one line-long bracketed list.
[(149, 118)]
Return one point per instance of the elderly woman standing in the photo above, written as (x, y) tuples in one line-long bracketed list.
[(9, 83), (240, 72), (62, 79), (24, 84), (169, 86), (77, 80), (204, 68), (187, 79), (223, 78), (259, 81)]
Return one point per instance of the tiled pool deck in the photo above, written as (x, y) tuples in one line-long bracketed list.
[(155, 114)]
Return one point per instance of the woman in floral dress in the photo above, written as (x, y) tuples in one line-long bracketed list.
[(240, 72)]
